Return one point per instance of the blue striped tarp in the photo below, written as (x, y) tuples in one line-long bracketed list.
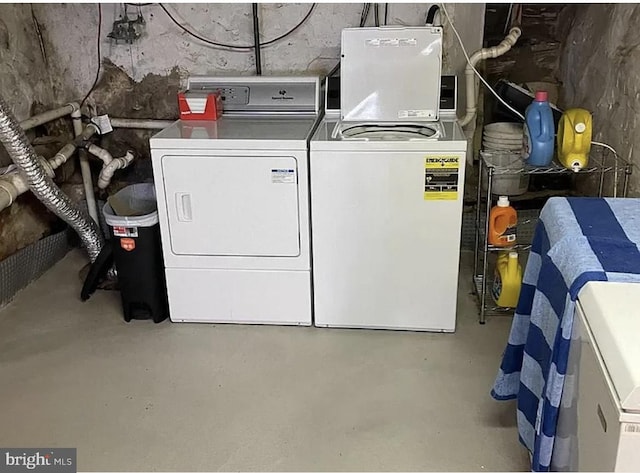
[(577, 240)]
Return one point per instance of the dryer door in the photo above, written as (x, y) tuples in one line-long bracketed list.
[(232, 205)]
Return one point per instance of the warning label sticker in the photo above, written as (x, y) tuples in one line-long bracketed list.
[(441, 177), (283, 176), (125, 232)]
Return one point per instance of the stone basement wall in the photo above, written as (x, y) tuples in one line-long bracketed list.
[(26, 86), (600, 71), (141, 80)]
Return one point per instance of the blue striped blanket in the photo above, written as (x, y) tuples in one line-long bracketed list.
[(577, 240)]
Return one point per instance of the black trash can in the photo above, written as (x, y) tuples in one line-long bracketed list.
[(137, 252)]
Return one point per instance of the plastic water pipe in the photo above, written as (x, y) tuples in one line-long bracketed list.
[(109, 169), (49, 116), (13, 183), (101, 153), (85, 169), (480, 55), (140, 123)]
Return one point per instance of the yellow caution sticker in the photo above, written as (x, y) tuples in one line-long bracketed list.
[(441, 177)]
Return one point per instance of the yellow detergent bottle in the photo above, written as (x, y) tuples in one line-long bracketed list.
[(508, 279), (574, 138)]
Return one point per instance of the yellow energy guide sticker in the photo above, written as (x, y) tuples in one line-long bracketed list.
[(441, 177)]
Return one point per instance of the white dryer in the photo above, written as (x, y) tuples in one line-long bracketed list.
[(599, 416), (233, 204), (387, 181)]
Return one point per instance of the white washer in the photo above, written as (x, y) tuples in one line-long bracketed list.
[(599, 417), (233, 204), (386, 193)]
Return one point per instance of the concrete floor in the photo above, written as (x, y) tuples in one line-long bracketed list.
[(201, 397)]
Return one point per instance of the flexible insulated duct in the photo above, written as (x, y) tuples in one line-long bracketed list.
[(24, 156)]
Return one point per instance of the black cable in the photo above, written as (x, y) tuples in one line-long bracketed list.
[(201, 38), (386, 11), (236, 47), (431, 14), (376, 14), (95, 81), (365, 14), (256, 38)]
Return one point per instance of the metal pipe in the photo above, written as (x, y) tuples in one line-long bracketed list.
[(256, 38), (15, 141), (49, 116), (477, 240), (140, 123), (485, 247)]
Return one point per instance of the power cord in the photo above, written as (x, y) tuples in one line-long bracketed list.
[(99, 56), (234, 47), (464, 51)]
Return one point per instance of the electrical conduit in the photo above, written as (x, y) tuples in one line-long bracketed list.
[(24, 156)]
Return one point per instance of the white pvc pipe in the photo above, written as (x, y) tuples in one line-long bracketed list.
[(480, 55), (141, 124), (101, 153), (13, 183), (49, 116), (109, 169), (85, 169)]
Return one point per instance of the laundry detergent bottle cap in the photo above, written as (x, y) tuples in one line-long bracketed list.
[(542, 96), (503, 201), (539, 131)]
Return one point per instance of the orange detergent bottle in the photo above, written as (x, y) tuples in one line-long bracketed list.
[(503, 220)]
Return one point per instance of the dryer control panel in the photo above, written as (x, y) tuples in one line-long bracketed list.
[(262, 94)]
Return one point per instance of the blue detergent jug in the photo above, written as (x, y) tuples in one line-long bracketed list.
[(539, 132)]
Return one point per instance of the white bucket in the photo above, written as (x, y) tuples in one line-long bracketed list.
[(506, 184)]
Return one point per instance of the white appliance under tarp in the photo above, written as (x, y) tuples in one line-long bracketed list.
[(233, 204), (599, 417)]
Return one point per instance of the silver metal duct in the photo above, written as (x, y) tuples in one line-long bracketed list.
[(24, 156)]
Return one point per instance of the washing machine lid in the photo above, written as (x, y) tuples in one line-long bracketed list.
[(612, 311), (390, 73)]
